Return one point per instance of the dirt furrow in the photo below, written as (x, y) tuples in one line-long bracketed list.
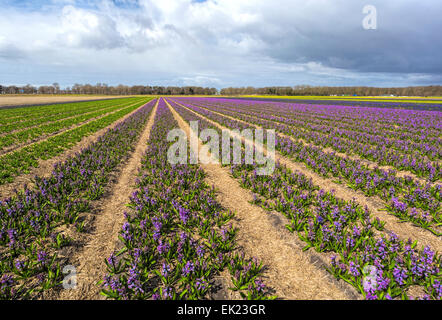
[(292, 273), (107, 225), (45, 167), (404, 230)]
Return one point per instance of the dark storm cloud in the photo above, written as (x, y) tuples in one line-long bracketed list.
[(407, 38)]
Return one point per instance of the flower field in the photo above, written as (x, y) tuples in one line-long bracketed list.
[(352, 209)]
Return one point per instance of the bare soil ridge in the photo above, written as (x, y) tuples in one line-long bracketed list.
[(102, 241)]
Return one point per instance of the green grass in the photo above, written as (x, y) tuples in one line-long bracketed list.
[(21, 161)]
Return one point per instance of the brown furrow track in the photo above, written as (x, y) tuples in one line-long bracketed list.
[(404, 230), (289, 271), (102, 241)]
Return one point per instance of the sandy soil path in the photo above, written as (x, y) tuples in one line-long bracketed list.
[(102, 241)]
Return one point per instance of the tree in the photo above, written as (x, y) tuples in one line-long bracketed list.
[(56, 87)]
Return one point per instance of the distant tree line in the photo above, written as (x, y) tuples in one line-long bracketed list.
[(305, 90), (300, 90), (104, 89)]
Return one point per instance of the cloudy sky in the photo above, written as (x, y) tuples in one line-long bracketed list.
[(220, 43)]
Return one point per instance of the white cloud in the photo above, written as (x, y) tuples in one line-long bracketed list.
[(222, 43), (81, 28), (200, 80)]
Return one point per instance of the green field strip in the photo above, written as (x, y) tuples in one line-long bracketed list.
[(24, 113), (44, 130), (46, 118), (21, 161)]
